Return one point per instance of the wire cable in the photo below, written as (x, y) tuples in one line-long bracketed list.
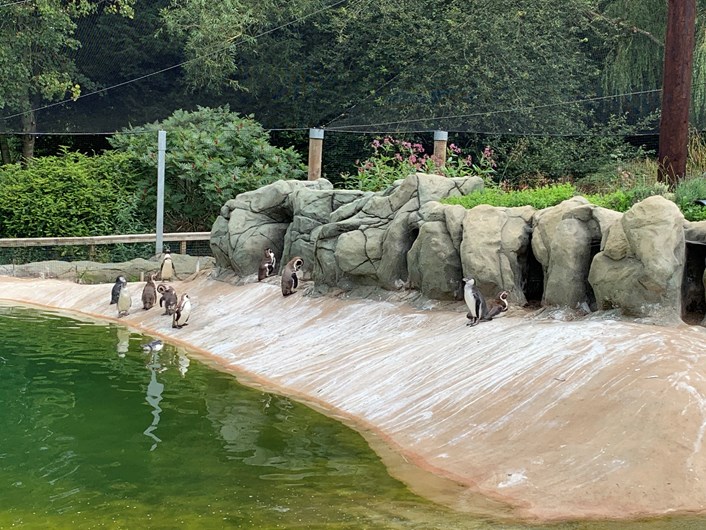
[(178, 65)]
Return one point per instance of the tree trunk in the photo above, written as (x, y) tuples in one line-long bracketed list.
[(676, 91), (5, 150), (29, 128)]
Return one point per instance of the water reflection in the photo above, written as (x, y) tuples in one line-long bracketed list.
[(123, 342), (154, 396)]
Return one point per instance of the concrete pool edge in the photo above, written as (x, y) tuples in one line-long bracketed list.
[(398, 442)]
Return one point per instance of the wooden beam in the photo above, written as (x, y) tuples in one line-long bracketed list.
[(100, 240)]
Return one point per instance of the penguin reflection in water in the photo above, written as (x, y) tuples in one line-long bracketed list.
[(290, 280), (478, 308), (182, 313), (267, 265)]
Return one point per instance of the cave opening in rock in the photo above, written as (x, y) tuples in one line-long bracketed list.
[(590, 295), (692, 290), (533, 279)]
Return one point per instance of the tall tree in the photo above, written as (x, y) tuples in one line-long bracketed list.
[(36, 65), (497, 66)]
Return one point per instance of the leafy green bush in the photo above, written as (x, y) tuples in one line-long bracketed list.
[(688, 191), (212, 156), (70, 195), (542, 197), (393, 159)]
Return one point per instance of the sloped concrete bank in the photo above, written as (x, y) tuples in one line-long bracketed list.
[(537, 419)]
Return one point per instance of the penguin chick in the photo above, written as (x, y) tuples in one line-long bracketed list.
[(497, 306), (169, 298), (124, 301), (166, 270), (183, 310), (267, 265), (475, 301), (115, 293), (290, 281), (149, 293)]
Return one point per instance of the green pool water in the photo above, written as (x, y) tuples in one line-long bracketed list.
[(94, 433)]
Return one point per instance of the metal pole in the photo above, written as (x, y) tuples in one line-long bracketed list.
[(440, 140), (161, 149), (676, 91), (316, 143)]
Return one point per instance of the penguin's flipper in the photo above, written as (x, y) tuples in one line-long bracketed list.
[(295, 280)]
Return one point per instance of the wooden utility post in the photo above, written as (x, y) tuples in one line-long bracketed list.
[(440, 140), (316, 148), (676, 91)]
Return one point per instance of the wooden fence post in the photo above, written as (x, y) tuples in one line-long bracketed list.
[(440, 140), (316, 143)]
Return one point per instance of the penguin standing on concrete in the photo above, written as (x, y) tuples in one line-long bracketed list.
[(166, 270), (124, 301), (120, 281), (267, 265), (149, 293), (169, 298), (475, 301), (290, 280), (182, 313)]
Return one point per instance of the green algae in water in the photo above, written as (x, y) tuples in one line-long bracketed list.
[(98, 434)]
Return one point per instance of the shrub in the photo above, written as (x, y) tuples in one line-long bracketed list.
[(688, 191), (393, 159), (212, 156), (69, 195), (542, 197)]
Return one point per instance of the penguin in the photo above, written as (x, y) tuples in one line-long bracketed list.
[(183, 310), (475, 301), (124, 301), (290, 281), (155, 345), (166, 270), (169, 298), (149, 293), (497, 306), (115, 293), (267, 265)]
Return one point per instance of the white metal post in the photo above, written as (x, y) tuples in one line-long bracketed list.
[(161, 149)]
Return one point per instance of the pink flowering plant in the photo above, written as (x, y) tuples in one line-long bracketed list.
[(393, 159)]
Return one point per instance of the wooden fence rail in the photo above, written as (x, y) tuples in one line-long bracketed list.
[(92, 241)]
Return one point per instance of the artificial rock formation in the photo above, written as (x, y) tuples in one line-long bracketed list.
[(641, 265), (575, 255)]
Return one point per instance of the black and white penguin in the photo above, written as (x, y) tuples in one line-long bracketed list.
[(149, 293), (182, 313), (154, 345), (497, 306), (169, 298), (475, 301), (290, 281), (124, 301), (166, 270), (267, 265), (120, 281)]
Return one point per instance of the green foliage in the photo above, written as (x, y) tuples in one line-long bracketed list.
[(688, 191), (542, 197), (212, 156), (37, 54), (69, 195), (395, 159)]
